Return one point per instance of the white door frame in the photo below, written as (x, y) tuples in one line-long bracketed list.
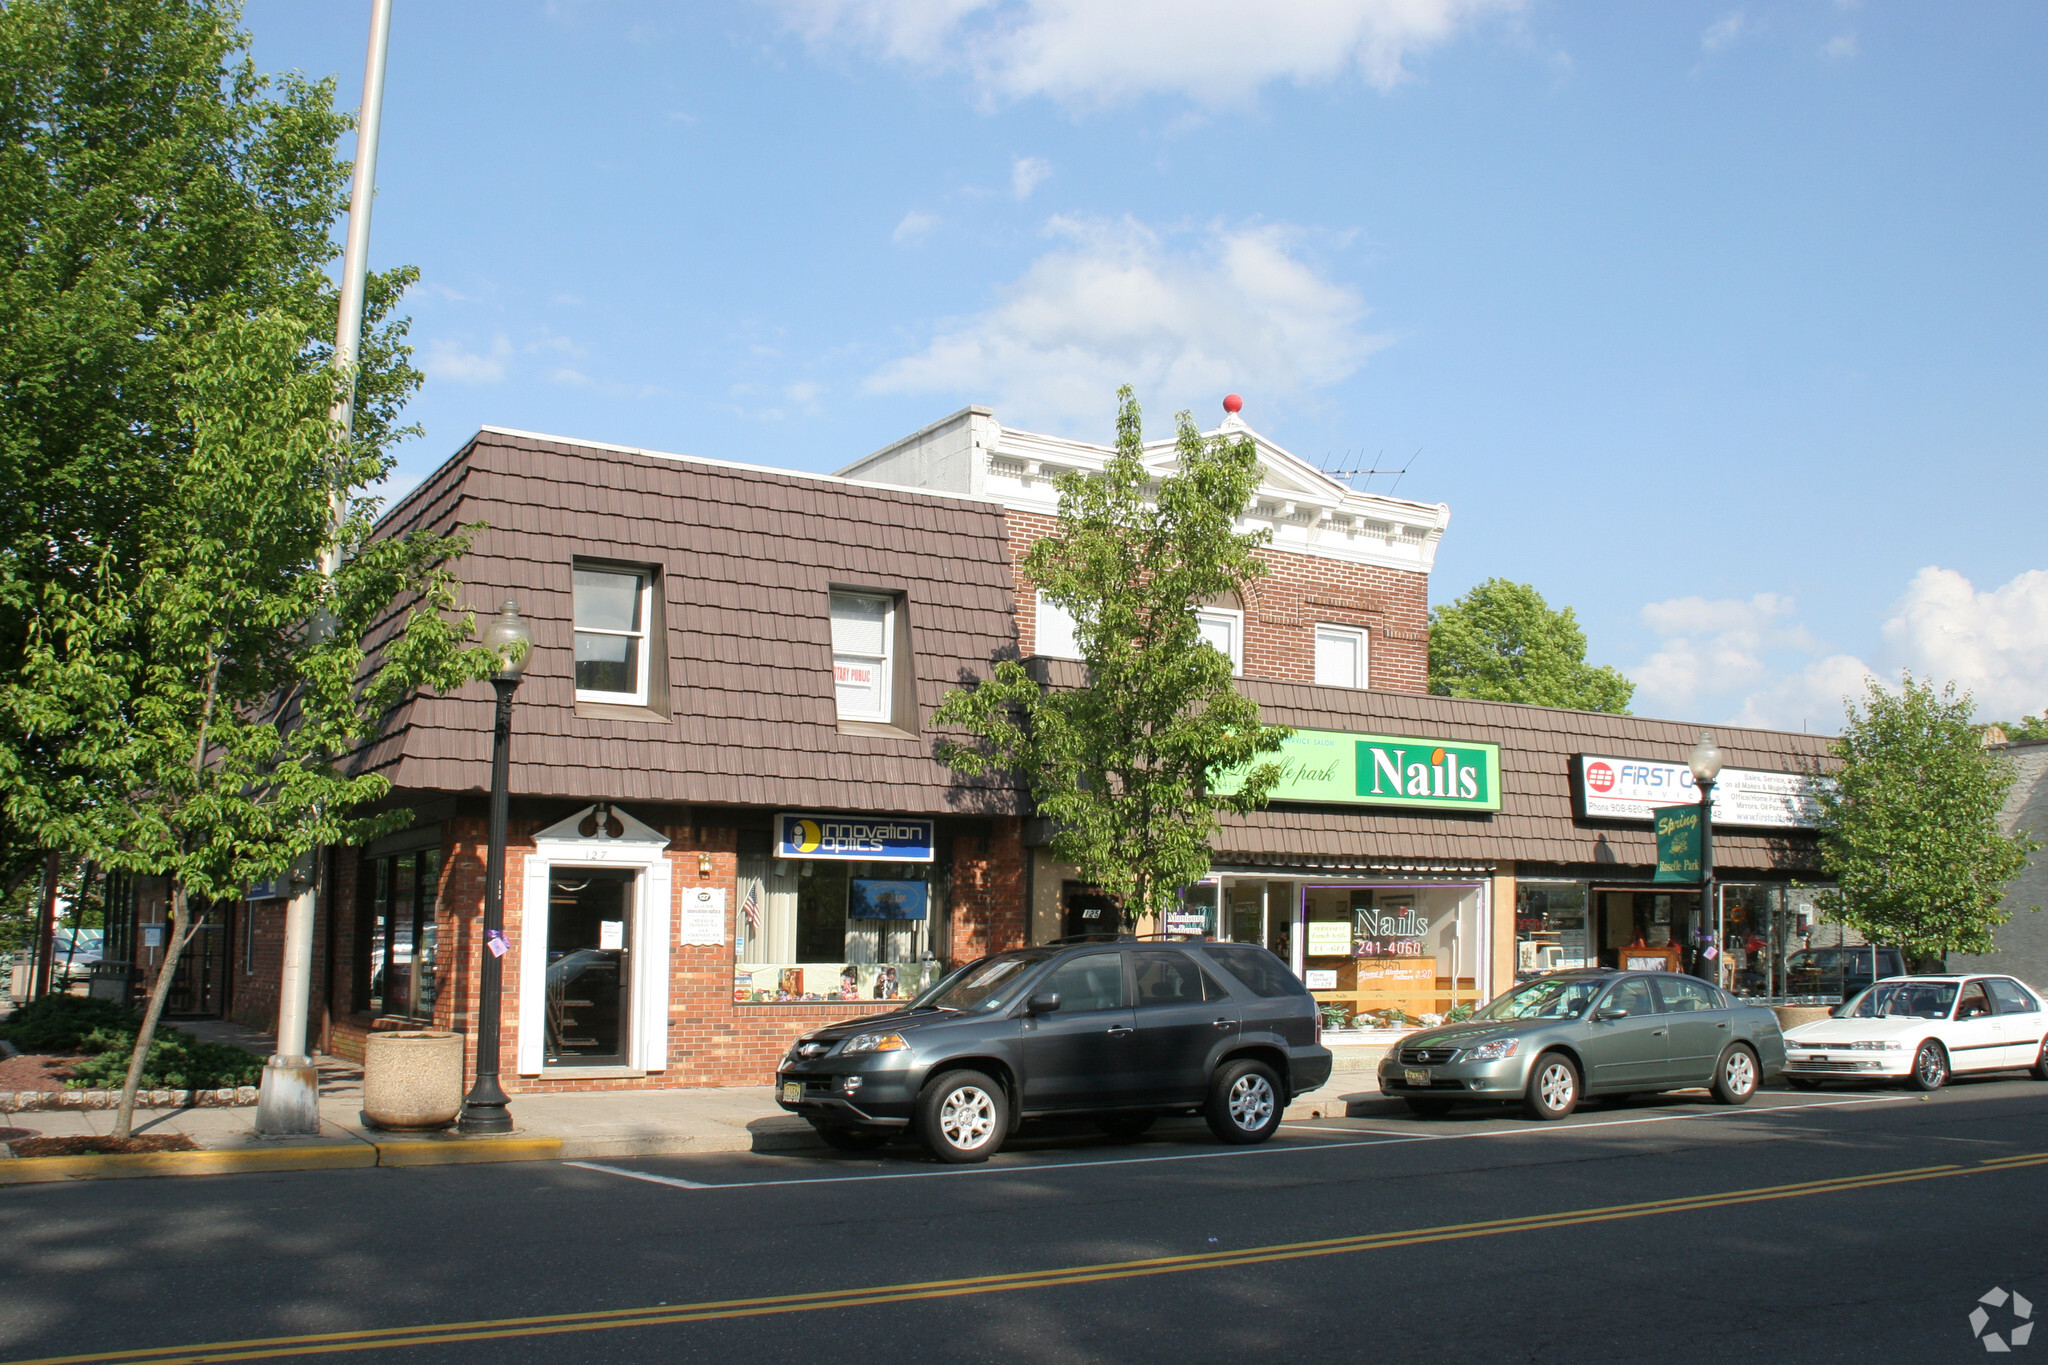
[(640, 849)]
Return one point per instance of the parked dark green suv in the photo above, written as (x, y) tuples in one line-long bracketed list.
[(1121, 1031)]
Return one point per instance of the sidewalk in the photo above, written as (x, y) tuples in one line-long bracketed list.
[(559, 1127)]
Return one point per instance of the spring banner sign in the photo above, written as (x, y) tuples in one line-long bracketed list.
[(1331, 766), (1678, 843)]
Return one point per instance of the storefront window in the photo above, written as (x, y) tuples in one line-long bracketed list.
[(398, 934), (1550, 928), (817, 929), (1392, 956), (1764, 929)]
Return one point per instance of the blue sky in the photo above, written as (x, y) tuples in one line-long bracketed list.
[(1727, 327)]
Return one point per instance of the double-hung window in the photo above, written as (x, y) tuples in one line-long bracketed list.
[(612, 611), (1053, 631), (1341, 656), (863, 637), (1223, 628)]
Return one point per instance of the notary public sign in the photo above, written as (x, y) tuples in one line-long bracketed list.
[(857, 838), (1610, 788), (1384, 770)]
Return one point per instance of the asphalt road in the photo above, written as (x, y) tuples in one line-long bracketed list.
[(1835, 1226)]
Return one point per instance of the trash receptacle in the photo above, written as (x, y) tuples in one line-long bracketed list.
[(412, 1080)]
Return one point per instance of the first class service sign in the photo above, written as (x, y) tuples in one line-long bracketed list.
[(1632, 788), (854, 838)]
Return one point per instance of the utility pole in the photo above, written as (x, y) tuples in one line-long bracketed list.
[(289, 1102)]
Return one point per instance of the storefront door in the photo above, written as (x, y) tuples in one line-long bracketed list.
[(1084, 910), (589, 977), (1645, 929)]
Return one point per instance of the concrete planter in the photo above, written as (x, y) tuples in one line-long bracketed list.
[(412, 1081)]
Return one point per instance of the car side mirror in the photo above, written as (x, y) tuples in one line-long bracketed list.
[(1610, 1012), (1048, 1003)]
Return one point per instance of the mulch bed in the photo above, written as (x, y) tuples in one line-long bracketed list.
[(35, 1071), (101, 1146)]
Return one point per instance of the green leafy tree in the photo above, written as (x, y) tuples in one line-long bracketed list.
[(1502, 642), (152, 186), (1909, 829), (181, 686), (1122, 764)]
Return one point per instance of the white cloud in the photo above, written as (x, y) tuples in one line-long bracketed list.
[(1119, 303), (448, 360), (574, 378), (1724, 32), (1027, 173), (915, 227), (1840, 47), (1710, 646), (1087, 52), (1753, 661), (1993, 644), (803, 393)]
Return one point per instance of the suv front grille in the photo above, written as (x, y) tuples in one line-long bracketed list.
[(808, 1050), (1427, 1056)]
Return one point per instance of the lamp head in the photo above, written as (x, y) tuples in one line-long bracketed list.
[(510, 638), (1705, 761)]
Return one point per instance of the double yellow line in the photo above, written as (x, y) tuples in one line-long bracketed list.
[(385, 1338)]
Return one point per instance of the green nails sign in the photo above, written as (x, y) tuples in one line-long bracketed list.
[(1384, 770)]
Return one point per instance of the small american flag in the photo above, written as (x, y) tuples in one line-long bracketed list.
[(751, 906)]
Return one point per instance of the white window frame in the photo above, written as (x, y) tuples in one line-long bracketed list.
[(1356, 634), (885, 691), (1063, 635), (1232, 619), (645, 635)]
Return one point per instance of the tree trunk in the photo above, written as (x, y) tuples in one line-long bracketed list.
[(46, 929), (182, 929)]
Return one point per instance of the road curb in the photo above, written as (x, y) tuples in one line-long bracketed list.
[(395, 1152)]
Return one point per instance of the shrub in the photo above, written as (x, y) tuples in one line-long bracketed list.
[(1460, 1014), (58, 1023), (176, 1061)]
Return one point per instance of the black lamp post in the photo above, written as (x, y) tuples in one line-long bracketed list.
[(1705, 763), (485, 1108)]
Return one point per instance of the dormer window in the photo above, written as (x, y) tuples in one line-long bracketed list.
[(613, 607)]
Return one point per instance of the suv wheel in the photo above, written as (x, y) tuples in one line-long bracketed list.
[(1244, 1102), (962, 1117), (1553, 1087)]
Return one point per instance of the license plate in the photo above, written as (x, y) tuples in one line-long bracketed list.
[(792, 1091), (1414, 1077)]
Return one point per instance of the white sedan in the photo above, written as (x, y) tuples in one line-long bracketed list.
[(1922, 1030)]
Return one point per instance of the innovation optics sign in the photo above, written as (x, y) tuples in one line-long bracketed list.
[(857, 838), (1383, 770), (1612, 788)]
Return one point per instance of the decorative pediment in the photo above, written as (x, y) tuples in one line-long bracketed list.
[(606, 825)]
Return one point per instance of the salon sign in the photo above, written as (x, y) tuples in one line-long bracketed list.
[(1383, 770)]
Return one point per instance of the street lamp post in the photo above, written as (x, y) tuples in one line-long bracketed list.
[(1705, 762), (485, 1109)]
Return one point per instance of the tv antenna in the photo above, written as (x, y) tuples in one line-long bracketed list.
[(1351, 474)]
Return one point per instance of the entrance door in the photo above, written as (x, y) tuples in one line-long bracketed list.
[(199, 986), (1084, 910), (589, 980)]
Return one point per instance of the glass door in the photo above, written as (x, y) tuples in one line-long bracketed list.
[(589, 981)]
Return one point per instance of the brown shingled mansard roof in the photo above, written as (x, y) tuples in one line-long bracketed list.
[(746, 557)]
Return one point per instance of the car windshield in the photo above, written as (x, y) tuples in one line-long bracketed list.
[(1546, 998), (985, 986), (1903, 999)]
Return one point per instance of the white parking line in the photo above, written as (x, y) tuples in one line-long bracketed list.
[(648, 1176), (1381, 1137)]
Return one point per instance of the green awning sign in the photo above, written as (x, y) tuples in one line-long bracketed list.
[(1678, 843), (1383, 770)]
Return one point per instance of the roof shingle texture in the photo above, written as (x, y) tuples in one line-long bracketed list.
[(747, 558)]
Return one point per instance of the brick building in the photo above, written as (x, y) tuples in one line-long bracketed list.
[(728, 823)]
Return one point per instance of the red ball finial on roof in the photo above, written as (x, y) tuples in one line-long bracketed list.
[(1232, 403)]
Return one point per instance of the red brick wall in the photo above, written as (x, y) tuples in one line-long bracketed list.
[(712, 1040), (1283, 609)]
